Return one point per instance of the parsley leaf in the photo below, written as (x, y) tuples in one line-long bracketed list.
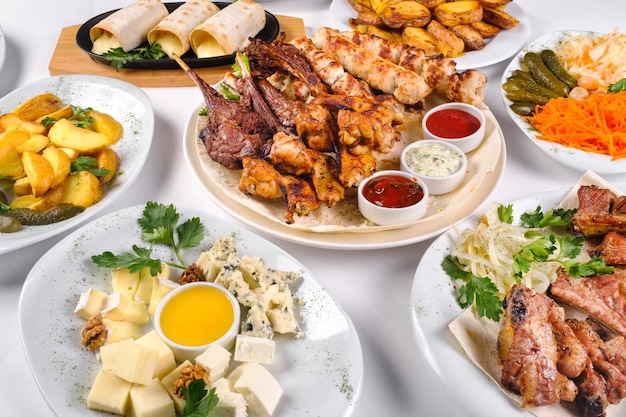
[(553, 218), (197, 402), (618, 86), (89, 164), (135, 262), (80, 117), (481, 291), (505, 213), (536, 251), (585, 269), (119, 57)]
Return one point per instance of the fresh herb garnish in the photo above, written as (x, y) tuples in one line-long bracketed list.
[(197, 402), (554, 218), (119, 57), (80, 117), (159, 225), (618, 86), (475, 290), (505, 213), (89, 164)]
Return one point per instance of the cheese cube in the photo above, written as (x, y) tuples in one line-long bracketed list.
[(129, 360), (121, 330), (124, 281), (231, 403), (165, 358), (168, 383), (215, 360), (89, 303), (122, 307), (254, 349), (109, 393), (144, 289), (259, 388), (161, 288), (150, 400)]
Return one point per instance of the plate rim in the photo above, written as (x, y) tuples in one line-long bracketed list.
[(33, 279), (439, 323), (334, 240), (13, 241), (82, 40), (572, 158)]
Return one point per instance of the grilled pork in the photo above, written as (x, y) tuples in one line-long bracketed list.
[(599, 212), (612, 249)]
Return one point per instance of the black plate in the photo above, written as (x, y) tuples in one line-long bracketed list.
[(268, 34)]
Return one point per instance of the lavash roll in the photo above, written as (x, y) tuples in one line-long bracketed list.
[(128, 27), (172, 33), (228, 30)]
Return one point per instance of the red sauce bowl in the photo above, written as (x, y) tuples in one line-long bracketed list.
[(458, 123), (392, 198)]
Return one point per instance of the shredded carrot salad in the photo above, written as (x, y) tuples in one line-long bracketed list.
[(596, 124)]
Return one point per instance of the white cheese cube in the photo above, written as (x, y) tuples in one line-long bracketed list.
[(168, 383), (146, 285), (124, 281), (109, 393), (121, 330), (89, 303), (165, 362), (254, 349), (230, 404), (122, 307), (150, 400), (259, 388), (161, 288), (215, 360), (129, 360)]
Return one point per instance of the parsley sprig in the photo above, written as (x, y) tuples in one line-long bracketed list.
[(119, 57), (159, 225), (89, 164), (197, 402), (80, 117)]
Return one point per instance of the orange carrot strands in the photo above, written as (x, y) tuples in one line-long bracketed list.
[(596, 124)]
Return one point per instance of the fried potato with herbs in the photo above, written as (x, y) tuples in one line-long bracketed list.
[(421, 39), (499, 18), (449, 44), (471, 37), (461, 12), (406, 13)]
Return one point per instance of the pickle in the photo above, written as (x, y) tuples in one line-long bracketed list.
[(30, 217), (543, 75), (520, 74), (522, 95), (530, 86), (523, 108), (551, 60), (9, 224)]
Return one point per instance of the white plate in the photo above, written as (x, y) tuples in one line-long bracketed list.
[(574, 158), (321, 373), (503, 46), (127, 104), (347, 240), (433, 307), (3, 49)]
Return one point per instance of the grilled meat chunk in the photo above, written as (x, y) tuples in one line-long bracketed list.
[(599, 212), (529, 351), (612, 249)]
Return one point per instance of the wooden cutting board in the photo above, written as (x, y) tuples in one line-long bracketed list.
[(68, 58)]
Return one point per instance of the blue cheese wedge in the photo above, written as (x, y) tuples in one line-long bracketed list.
[(256, 323), (254, 349), (212, 261)]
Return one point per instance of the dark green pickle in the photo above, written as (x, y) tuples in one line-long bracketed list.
[(543, 75), (552, 61), (523, 108), (30, 217), (9, 224)]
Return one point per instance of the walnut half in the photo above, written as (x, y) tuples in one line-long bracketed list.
[(94, 333), (193, 273), (188, 374)]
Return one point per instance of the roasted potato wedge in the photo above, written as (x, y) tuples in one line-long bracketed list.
[(449, 44), (21, 186), (107, 158), (471, 37), (60, 162), (421, 39), (461, 12), (486, 30), (389, 34), (37, 106), (10, 121), (81, 189), (370, 18), (24, 201), (360, 5), (499, 18), (379, 5), (406, 13), (39, 172), (496, 4), (65, 134), (10, 157), (431, 4), (63, 112), (107, 125), (36, 143)]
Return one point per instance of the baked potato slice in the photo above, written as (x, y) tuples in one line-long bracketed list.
[(107, 125), (64, 112), (499, 18), (81, 189), (37, 106), (36, 143), (496, 4), (461, 12), (65, 134), (486, 30), (431, 4), (360, 5), (370, 18), (449, 44), (421, 39), (21, 187), (10, 157), (107, 158), (61, 164), (406, 13), (379, 5), (39, 172), (10, 121), (471, 37)]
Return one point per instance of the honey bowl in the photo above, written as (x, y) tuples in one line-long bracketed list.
[(194, 316)]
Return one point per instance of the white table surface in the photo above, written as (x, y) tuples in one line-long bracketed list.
[(373, 286)]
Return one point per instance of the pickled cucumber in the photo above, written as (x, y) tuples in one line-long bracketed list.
[(523, 108), (551, 60), (9, 224), (520, 74), (30, 217), (530, 86), (543, 75)]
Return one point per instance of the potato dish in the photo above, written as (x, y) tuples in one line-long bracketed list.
[(439, 27)]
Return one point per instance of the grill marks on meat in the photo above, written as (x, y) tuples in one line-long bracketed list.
[(528, 349), (612, 249), (600, 211)]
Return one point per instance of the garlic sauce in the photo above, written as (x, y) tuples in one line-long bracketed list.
[(434, 160)]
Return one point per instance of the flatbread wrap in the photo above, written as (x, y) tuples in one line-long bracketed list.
[(128, 27), (228, 30), (172, 33)]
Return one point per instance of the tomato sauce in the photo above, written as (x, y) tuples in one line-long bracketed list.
[(452, 123), (393, 191)]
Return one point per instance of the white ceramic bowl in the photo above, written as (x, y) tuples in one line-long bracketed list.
[(442, 165), (386, 216), (184, 352), (466, 143)]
